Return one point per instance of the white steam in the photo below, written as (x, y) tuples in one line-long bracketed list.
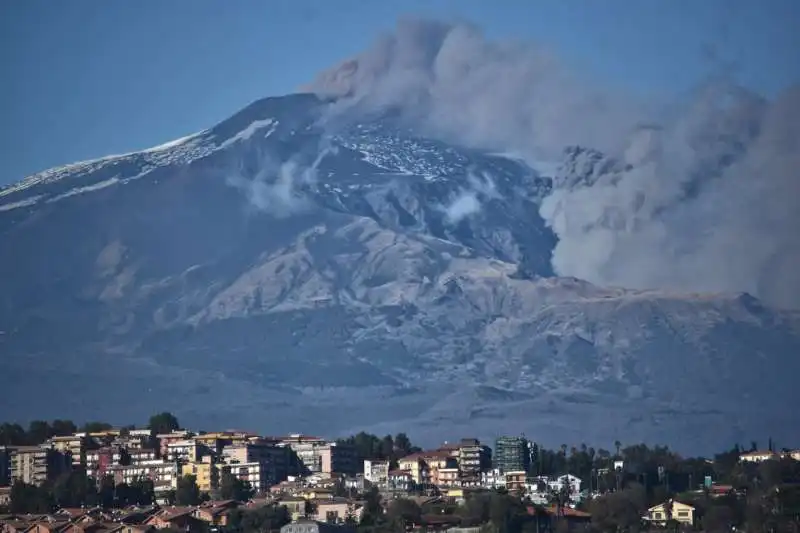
[(468, 201), (278, 188), (705, 199)]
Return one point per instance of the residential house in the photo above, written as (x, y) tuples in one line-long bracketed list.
[(176, 518), (435, 467), (661, 513), (567, 482), (516, 481), (336, 510), (552, 518), (215, 513), (759, 456), (296, 506)]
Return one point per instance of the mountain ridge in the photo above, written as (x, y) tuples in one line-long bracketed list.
[(300, 264)]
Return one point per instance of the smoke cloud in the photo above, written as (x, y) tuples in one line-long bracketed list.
[(697, 195)]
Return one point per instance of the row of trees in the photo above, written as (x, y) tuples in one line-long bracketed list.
[(76, 489), (368, 446), (38, 431)]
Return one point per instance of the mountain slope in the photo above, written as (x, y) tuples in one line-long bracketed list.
[(276, 273)]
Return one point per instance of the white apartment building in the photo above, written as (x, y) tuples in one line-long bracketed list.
[(163, 474), (182, 450), (376, 471), (252, 473)]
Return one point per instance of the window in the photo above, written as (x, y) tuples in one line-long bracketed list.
[(683, 514), (658, 516)]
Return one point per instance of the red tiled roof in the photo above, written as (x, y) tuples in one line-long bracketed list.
[(553, 511)]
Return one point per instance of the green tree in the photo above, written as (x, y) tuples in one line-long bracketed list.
[(39, 431), (27, 498), (233, 488), (63, 428), (96, 427), (403, 512), (187, 492), (163, 423), (12, 435), (74, 489), (506, 513), (266, 518), (372, 515)]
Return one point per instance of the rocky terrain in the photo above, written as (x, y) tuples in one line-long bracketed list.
[(278, 274)]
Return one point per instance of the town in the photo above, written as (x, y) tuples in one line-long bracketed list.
[(56, 477)]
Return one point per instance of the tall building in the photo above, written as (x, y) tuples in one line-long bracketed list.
[(512, 454), (273, 459), (473, 459), (36, 464), (317, 455), (74, 445)]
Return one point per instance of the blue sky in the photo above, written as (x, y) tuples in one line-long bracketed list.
[(87, 78)]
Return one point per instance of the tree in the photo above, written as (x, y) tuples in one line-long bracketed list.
[(266, 518), (63, 428), (27, 498), (405, 512), (372, 515), (506, 513), (163, 423), (38, 431), (96, 427), (74, 489), (187, 492), (233, 488), (12, 435)]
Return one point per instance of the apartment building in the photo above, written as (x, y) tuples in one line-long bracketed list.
[(274, 459), (338, 459), (37, 464), (206, 473), (164, 439), (100, 460), (187, 450), (137, 439), (474, 458), (316, 455), (252, 473), (73, 445), (163, 474), (512, 454), (376, 472)]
